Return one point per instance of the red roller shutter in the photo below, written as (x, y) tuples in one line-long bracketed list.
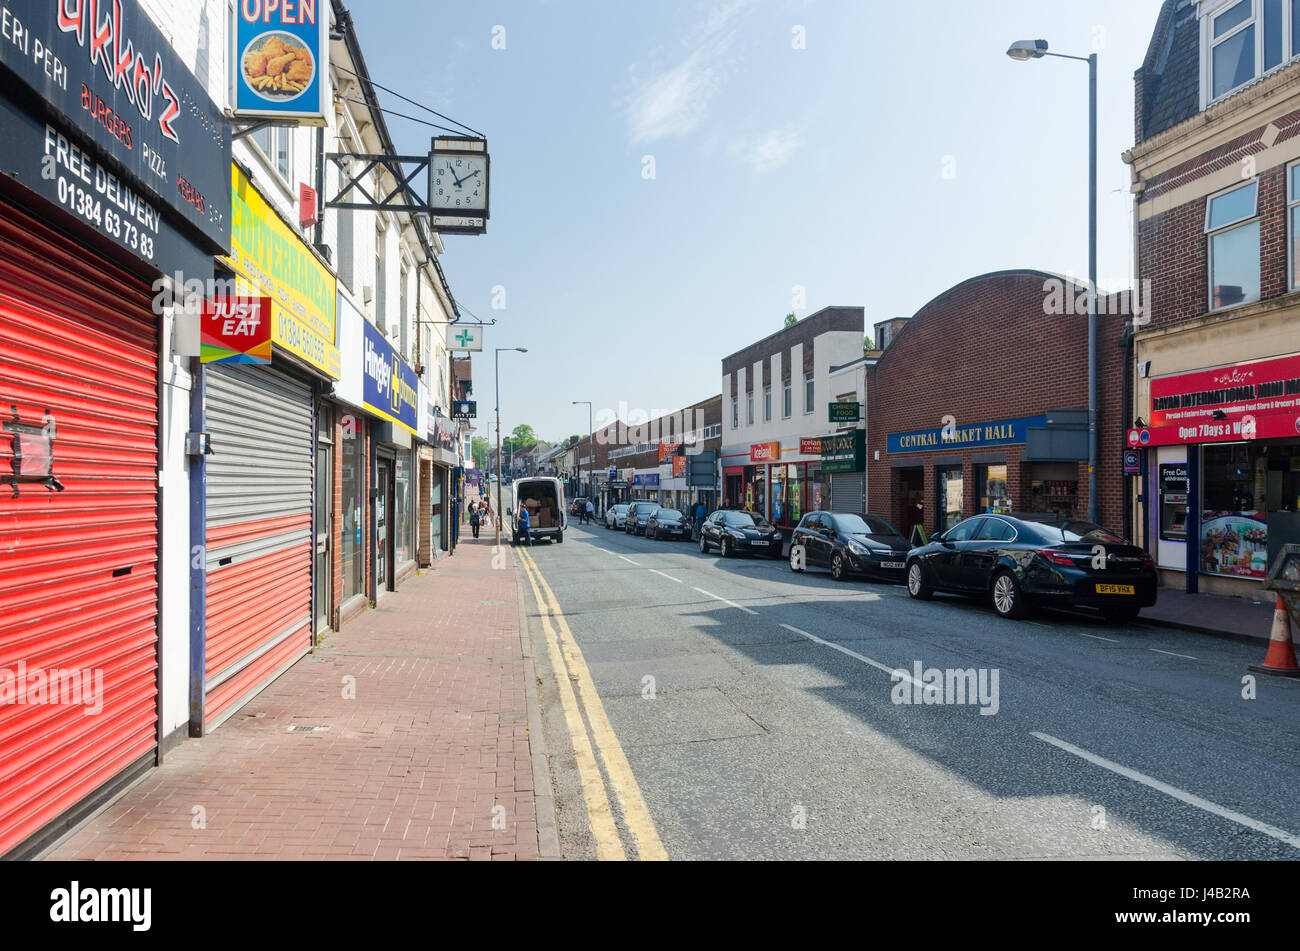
[(78, 568)]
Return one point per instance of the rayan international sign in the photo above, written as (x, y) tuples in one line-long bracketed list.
[(391, 388)]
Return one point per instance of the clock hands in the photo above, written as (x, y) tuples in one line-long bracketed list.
[(453, 175)]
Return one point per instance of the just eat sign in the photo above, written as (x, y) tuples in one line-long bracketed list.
[(237, 330)]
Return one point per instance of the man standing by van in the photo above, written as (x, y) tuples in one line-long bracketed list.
[(524, 525)]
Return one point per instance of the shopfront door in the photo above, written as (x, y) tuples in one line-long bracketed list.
[(951, 489), (383, 524), (324, 576), (911, 495)]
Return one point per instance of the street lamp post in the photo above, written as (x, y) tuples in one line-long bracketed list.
[(500, 512), (1022, 51), (590, 448)]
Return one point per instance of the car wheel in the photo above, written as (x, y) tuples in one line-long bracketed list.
[(796, 564), (724, 548), (559, 538), (704, 546), (1119, 615), (917, 586), (1006, 597)]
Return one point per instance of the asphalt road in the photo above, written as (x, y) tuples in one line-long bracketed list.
[(770, 728)]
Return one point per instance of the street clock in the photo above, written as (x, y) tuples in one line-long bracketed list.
[(459, 185)]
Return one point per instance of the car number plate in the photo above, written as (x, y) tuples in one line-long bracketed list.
[(892, 564), (761, 544), (1115, 589)]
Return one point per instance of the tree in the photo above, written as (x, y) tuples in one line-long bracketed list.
[(868, 343), (791, 319), (523, 436), (480, 448)]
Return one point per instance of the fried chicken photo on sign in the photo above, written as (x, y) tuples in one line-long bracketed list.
[(300, 71), (273, 47), (277, 65), (255, 64)]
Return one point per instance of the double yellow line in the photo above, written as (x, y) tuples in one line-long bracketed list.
[(570, 667)]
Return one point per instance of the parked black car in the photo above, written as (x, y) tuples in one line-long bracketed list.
[(1023, 561), (667, 523), (849, 545), (735, 532), (638, 515)]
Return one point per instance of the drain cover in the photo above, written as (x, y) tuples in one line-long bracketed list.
[(308, 729), (490, 603)]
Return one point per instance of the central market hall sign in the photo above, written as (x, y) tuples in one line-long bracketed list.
[(390, 387), (1003, 432)]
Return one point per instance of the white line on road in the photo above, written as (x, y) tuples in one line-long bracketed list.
[(1171, 653), (892, 671), (1173, 791), (725, 601), (630, 561), (1098, 637), (669, 577)]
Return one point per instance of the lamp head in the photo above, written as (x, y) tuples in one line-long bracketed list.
[(1023, 50)]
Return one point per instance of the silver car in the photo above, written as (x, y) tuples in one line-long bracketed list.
[(616, 516)]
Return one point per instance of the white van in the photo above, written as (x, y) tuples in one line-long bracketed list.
[(544, 498)]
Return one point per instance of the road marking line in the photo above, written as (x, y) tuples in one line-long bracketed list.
[(1171, 653), (1098, 637), (630, 561), (738, 607), (892, 671), (669, 577), (599, 814), (1176, 793), (635, 812)]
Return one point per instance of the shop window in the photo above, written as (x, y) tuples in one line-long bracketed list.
[(353, 492), (402, 510), (951, 488), (992, 489), (1234, 246), (1244, 488)]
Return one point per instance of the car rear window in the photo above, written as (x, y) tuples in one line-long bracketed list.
[(745, 520), (668, 514)]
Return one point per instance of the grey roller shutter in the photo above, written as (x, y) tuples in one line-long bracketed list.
[(849, 492)]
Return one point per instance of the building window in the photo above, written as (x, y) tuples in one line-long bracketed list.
[(749, 408), (1245, 39), (1234, 246), (787, 399), (735, 413), (767, 404), (381, 283), (807, 393), (1293, 204), (274, 143)]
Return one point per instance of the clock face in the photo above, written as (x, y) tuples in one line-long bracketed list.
[(459, 183)]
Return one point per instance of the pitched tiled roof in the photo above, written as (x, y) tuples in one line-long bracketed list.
[(1170, 78)]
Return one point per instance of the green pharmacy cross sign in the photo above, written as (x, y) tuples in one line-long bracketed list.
[(464, 339)]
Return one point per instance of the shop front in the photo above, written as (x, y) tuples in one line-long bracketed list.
[(268, 502), (439, 492), (780, 489), (93, 547), (1222, 472), (391, 394), (645, 486)]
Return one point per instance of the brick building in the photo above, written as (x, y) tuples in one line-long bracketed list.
[(644, 462), (979, 403), (1216, 179)]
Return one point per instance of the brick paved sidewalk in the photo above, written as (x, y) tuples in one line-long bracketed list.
[(413, 768)]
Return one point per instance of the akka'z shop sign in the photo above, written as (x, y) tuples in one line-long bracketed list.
[(106, 68), (391, 389)]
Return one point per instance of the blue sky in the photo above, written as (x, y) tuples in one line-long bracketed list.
[(898, 154)]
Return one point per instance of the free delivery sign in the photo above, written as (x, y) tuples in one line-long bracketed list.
[(390, 387), (281, 59)]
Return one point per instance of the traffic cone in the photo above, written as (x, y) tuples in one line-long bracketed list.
[(1280, 660)]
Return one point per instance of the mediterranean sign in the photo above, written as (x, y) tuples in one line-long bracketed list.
[(236, 330), (281, 60), (845, 452), (464, 339), (1004, 432), (1252, 401), (390, 388), (846, 412), (272, 261), (145, 135)]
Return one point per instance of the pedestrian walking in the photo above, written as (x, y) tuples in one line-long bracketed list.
[(475, 518), (589, 512)]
